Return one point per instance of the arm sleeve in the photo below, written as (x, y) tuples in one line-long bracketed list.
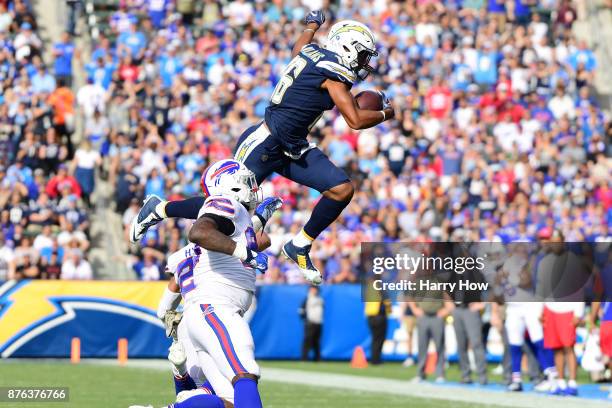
[(168, 301)]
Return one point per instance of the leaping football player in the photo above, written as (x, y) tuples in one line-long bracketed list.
[(316, 80)]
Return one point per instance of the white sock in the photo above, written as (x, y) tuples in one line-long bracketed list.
[(572, 384), (561, 383), (301, 239), (160, 209)]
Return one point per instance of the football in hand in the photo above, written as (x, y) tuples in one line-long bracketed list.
[(370, 100)]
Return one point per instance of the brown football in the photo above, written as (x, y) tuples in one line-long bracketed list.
[(370, 100)]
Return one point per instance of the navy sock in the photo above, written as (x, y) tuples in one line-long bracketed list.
[(200, 401), (325, 212), (187, 208), (246, 394), (545, 356), (184, 383), (516, 354)]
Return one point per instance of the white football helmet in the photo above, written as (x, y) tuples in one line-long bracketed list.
[(232, 179), (355, 43)]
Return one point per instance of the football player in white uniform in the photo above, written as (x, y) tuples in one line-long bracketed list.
[(216, 277), (224, 279)]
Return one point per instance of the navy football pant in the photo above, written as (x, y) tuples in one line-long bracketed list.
[(263, 155)]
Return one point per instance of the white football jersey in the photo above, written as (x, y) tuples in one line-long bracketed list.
[(215, 267), (181, 264)]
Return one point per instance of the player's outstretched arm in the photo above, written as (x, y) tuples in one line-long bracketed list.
[(313, 21), (355, 117)]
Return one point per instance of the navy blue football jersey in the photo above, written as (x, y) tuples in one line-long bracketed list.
[(298, 101)]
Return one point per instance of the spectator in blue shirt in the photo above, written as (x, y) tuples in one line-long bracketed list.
[(100, 72), (64, 52), (42, 81), (584, 55), (486, 66), (169, 66), (133, 41), (157, 12)]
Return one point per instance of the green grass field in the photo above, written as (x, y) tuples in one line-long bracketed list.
[(112, 386)]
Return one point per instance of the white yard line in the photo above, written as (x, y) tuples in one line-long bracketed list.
[(397, 387)]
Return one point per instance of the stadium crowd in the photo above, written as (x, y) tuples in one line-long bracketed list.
[(497, 134)]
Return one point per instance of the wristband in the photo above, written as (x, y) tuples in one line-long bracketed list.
[(384, 115), (258, 222), (240, 252)]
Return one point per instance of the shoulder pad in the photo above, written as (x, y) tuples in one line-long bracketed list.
[(221, 206), (336, 71)]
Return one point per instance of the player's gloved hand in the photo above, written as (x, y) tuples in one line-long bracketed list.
[(315, 16), (172, 318), (267, 207), (257, 260), (387, 107)]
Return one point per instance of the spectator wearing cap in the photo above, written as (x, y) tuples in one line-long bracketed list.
[(27, 44), (75, 267)]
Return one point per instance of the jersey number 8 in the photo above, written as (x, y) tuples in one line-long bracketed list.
[(295, 66)]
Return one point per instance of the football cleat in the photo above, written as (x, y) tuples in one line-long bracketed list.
[(515, 386), (301, 256), (145, 219)]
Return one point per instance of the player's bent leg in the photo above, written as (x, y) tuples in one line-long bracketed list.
[(315, 170), (246, 394), (224, 334), (192, 363), (221, 385), (259, 152)]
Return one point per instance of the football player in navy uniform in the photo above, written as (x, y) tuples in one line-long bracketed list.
[(316, 80)]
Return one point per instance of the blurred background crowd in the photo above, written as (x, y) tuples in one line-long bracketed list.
[(498, 134)]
